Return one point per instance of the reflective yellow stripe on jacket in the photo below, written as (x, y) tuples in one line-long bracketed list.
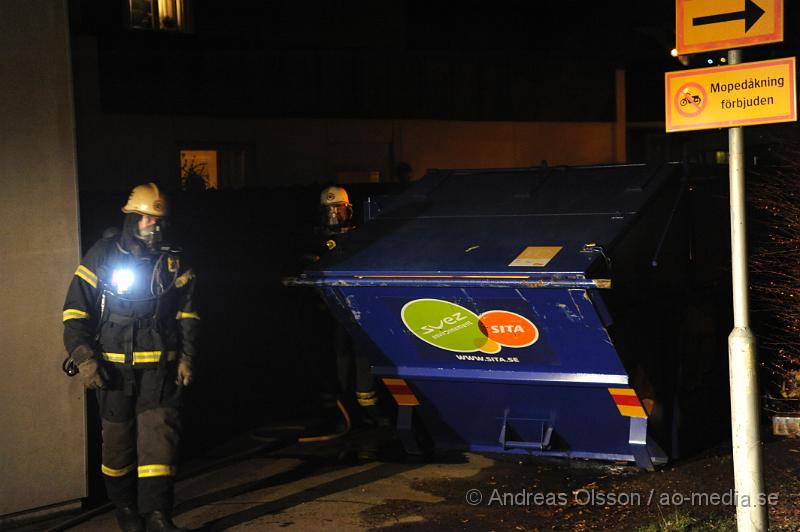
[(108, 471), (87, 275), (140, 357), (185, 315), (75, 314), (367, 398), (181, 281), (156, 470)]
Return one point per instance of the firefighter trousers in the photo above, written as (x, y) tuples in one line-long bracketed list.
[(355, 373), (140, 417)]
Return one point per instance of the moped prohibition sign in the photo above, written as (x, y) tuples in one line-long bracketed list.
[(747, 94), (690, 99)]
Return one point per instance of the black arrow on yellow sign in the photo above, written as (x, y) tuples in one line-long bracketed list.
[(750, 15)]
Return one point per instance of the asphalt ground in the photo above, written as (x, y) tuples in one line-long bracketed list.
[(363, 481)]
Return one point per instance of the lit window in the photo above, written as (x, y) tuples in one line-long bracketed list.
[(199, 169), (207, 167), (168, 15)]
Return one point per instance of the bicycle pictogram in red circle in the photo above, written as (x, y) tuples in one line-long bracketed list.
[(691, 99)]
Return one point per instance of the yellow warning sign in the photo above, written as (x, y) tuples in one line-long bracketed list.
[(705, 25), (747, 94), (537, 256)]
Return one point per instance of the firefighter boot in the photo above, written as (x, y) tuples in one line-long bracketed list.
[(128, 518), (374, 416), (160, 521)]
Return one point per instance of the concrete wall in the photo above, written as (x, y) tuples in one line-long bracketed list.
[(42, 423), (117, 151)]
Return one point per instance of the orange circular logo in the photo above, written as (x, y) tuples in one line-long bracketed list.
[(508, 328)]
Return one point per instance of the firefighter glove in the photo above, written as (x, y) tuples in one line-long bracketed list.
[(185, 371), (91, 373)]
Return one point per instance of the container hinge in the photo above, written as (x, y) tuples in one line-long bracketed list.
[(591, 247)]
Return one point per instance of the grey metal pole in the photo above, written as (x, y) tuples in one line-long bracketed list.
[(751, 510)]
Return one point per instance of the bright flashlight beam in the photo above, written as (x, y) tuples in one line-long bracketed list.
[(122, 280)]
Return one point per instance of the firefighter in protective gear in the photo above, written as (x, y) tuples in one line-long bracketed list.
[(337, 211), (131, 327), (353, 367)]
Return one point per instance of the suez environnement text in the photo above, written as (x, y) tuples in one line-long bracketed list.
[(747, 84)]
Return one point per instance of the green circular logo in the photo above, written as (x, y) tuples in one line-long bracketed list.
[(446, 325)]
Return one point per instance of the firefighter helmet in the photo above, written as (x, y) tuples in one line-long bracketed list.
[(146, 199), (334, 196), (337, 212)]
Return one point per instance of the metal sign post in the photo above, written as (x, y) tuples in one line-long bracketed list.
[(703, 99), (751, 510)]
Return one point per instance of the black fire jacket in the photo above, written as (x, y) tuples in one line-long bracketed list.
[(131, 310)]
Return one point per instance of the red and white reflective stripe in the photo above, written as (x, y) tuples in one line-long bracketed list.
[(627, 402), (401, 392)]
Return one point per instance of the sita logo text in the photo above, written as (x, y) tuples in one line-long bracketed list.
[(452, 327)]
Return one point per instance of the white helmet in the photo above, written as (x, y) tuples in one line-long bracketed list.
[(337, 212), (333, 196)]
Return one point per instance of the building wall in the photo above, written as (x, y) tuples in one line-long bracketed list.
[(122, 150), (119, 150), (42, 439)]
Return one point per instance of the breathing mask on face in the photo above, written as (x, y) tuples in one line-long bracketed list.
[(151, 235), (337, 216)]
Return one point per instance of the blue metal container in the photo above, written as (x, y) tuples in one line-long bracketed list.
[(482, 298)]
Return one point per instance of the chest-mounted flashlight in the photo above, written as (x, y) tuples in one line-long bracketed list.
[(122, 279)]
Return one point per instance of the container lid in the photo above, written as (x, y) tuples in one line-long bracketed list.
[(536, 224)]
